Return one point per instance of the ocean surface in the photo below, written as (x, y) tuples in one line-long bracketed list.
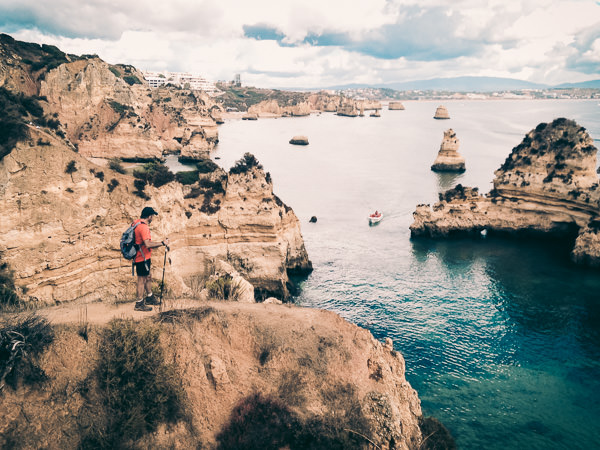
[(501, 337)]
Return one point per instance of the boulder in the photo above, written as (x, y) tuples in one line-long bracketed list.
[(441, 113), (299, 140)]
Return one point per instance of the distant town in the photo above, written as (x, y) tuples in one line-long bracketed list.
[(217, 89)]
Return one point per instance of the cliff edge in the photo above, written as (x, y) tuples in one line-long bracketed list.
[(216, 375)]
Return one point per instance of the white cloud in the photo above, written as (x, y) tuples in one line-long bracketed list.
[(376, 41)]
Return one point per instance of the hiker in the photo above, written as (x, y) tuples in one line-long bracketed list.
[(142, 260)]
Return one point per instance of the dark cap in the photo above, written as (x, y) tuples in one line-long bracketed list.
[(147, 212)]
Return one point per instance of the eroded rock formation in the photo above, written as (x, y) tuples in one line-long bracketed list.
[(547, 185), (448, 158), (441, 113), (396, 106), (60, 231), (299, 140), (271, 108)]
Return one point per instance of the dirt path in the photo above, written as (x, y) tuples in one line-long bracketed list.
[(102, 313)]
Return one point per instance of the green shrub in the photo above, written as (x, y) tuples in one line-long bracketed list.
[(115, 164), (112, 185), (223, 288), (188, 177), (206, 166), (8, 295), (139, 390), (260, 421), (119, 107), (244, 164), (435, 435), (131, 80), (115, 71), (22, 340), (71, 167)]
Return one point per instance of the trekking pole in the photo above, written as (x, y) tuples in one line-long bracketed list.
[(162, 283)]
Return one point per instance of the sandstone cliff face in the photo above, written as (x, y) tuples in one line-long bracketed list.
[(448, 158), (245, 370), (60, 232), (271, 108), (105, 117), (548, 184)]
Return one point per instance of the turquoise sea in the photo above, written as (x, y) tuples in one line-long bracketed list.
[(501, 337)]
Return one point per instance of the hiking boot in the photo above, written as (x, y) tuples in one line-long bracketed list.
[(152, 300), (141, 306)]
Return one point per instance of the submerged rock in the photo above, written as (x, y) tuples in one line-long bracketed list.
[(448, 158), (548, 185), (441, 113)]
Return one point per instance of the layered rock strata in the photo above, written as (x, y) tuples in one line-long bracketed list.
[(60, 231), (441, 113), (105, 117), (448, 158), (548, 185), (271, 108)]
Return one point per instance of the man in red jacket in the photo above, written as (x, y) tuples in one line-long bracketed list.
[(142, 260)]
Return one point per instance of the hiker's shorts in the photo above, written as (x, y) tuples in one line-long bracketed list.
[(142, 268)]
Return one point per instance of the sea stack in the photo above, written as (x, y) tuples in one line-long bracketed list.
[(548, 185), (441, 113), (299, 140), (396, 106), (448, 158)]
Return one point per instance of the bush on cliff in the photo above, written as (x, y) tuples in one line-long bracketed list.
[(138, 389), (206, 166), (154, 173), (8, 295), (13, 124), (247, 162), (22, 340), (187, 177)]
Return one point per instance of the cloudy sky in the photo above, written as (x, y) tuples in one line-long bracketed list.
[(318, 43)]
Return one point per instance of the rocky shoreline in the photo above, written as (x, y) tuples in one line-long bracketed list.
[(547, 186)]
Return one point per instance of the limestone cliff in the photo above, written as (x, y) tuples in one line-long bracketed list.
[(548, 184), (108, 110), (448, 158), (60, 231), (219, 374), (271, 108), (106, 117)]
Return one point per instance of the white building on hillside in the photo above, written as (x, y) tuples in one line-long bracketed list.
[(181, 79)]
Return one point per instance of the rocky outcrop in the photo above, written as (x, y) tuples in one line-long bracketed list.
[(106, 117), (231, 375), (396, 106), (60, 231), (441, 113), (271, 108), (299, 140), (348, 108), (448, 158), (547, 185)]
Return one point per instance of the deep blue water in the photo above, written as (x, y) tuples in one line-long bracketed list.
[(501, 337)]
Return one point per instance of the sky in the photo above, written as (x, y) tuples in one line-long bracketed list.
[(321, 43)]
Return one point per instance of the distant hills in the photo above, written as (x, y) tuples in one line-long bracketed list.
[(468, 84)]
